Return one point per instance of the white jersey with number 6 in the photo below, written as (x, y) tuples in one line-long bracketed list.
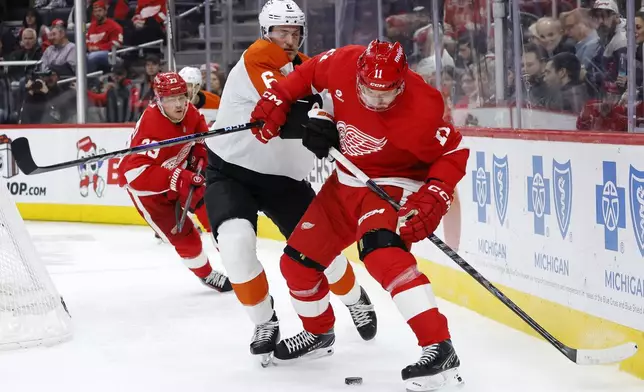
[(261, 64)]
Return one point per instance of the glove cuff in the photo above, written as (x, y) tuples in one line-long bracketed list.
[(320, 115), (174, 178), (442, 190)]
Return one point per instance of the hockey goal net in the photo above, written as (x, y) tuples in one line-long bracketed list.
[(32, 312)]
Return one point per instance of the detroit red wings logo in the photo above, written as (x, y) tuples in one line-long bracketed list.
[(174, 162), (355, 143)]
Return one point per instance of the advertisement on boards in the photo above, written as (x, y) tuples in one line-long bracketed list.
[(95, 183), (562, 221)]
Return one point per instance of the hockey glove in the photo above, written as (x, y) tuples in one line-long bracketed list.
[(199, 152), (272, 109), (180, 182), (423, 211), (298, 116), (320, 133)]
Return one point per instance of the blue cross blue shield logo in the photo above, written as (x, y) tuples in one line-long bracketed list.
[(481, 187), (610, 206), (636, 192), (562, 192), (538, 195), (501, 185)]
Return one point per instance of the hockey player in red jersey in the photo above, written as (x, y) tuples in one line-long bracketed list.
[(157, 179), (389, 123)]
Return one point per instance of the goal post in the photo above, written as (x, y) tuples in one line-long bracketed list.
[(32, 313)]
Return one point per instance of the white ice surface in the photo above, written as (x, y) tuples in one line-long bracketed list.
[(143, 323)]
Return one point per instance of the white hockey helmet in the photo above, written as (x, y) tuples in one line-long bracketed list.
[(192, 77), (282, 13)]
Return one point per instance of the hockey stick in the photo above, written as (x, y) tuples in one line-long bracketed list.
[(22, 152), (579, 356), (182, 220)]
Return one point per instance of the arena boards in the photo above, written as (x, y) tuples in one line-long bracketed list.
[(556, 219)]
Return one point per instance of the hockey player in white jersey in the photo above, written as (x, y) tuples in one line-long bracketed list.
[(244, 177)]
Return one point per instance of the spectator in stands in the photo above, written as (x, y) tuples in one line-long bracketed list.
[(612, 36), (404, 20), (103, 35), (532, 67), (561, 74), (29, 51), (61, 51), (639, 58), (116, 9), (579, 26), (217, 78), (485, 70), (118, 97), (471, 46), (532, 35), (33, 20), (469, 85), (607, 115), (149, 20), (47, 102), (56, 22), (144, 93), (465, 15), (424, 38), (552, 38)]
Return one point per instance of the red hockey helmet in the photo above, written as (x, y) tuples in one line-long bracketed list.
[(381, 75), (171, 92), (169, 83)]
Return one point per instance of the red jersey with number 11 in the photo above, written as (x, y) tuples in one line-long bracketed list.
[(148, 173), (409, 140)]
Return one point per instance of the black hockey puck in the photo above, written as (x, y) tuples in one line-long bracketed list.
[(353, 380)]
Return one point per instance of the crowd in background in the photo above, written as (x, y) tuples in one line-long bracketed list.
[(574, 63), (573, 56), (120, 85)]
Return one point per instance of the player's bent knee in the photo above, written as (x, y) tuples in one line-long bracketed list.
[(301, 279), (379, 239), (238, 249), (189, 245), (302, 259)]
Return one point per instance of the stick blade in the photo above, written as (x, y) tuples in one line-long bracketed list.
[(22, 154), (606, 355)]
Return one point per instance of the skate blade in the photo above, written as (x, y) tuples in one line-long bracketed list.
[(448, 378), (266, 360), (315, 354)]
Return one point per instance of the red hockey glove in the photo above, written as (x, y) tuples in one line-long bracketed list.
[(180, 182), (423, 211), (272, 109), (199, 151)]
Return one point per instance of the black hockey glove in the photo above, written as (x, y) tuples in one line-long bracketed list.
[(320, 134), (298, 116)]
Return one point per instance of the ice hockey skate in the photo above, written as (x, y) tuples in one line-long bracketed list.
[(436, 368), (305, 345), (265, 340), (364, 316), (217, 281)]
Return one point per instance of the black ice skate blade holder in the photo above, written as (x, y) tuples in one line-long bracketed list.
[(578, 356)]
